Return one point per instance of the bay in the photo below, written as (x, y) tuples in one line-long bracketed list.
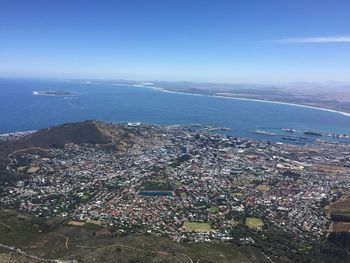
[(20, 110)]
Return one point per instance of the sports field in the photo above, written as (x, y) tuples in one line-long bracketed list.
[(197, 226), (254, 222)]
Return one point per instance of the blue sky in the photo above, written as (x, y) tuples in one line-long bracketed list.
[(206, 40)]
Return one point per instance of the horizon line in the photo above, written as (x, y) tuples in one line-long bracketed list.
[(312, 40)]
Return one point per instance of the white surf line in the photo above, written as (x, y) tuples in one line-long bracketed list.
[(286, 103), (256, 100), (234, 98)]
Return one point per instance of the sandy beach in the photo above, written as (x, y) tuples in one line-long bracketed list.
[(238, 98)]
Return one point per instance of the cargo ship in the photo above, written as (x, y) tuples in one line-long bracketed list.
[(289, 138), (262, 132), (312, 133)]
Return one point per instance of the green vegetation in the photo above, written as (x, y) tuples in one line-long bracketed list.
[(237, 194), (180, 160), (156, 186), (178, 184), (47, 238), (197, 226), (256, 181), (213, 210), (158, 178), (254, 223), (241, 182), (86, 197), (21, 169)]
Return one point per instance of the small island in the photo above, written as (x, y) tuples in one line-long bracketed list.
[(53, 93)]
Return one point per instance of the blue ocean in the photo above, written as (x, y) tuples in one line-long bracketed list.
[(20, 110)]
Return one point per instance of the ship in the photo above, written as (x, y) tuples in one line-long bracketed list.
[(289, 138), (288, 130), (312, 133), (265, 133)]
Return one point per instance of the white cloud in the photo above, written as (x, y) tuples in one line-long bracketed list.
[(314, 40)]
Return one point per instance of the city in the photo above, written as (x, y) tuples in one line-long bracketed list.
[(186, 184)]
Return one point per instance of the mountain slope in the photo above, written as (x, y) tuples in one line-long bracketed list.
[(93, 132)]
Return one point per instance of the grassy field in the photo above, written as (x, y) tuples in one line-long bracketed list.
[(263, 187), (254, 222), (197, 227), (54, 239), (33, 169)]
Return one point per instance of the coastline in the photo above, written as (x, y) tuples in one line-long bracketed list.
[(347, 114), (287, 103)]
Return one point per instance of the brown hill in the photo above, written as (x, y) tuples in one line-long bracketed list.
[(340, 210), (82, 132), (93, 132)]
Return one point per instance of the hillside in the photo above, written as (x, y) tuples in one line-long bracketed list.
[(57, 239), (111, 136), (340, 210)]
